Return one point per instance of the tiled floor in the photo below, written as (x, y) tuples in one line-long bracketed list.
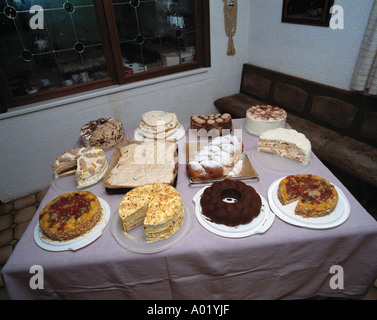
[(15, 217)]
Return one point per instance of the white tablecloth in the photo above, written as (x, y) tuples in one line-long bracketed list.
[(286, 262)]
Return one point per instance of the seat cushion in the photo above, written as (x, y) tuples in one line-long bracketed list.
[(351, 155)]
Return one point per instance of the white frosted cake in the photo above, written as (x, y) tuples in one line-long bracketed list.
[(287, 143), (262, 118)]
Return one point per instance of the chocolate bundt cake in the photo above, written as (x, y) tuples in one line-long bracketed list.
[(230, 202)]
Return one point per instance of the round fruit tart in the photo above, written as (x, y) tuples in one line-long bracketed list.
[(316, 196), (70, 215)]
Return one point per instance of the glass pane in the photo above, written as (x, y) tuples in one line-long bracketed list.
[(66, 49), (155, 33)]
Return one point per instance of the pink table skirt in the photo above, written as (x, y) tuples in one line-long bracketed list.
[(285, 262)]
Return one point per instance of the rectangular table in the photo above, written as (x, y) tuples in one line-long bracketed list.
[(286, 262)]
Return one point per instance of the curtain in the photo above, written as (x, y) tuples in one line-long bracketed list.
[(365, 73)]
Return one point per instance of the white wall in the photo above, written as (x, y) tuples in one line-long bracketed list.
[(30, 143), (315, 53)]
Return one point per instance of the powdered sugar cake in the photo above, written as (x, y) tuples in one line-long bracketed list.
[(262, 118), (215, 160)]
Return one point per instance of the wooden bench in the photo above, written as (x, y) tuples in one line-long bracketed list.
[(341, 125)]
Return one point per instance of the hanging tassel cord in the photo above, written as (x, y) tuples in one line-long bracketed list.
[(230, 22)]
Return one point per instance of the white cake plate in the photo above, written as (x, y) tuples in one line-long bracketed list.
[(287, 212), (135, 239), (258, 225)]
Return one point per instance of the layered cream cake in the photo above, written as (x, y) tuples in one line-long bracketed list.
[(287, 143), (89, 165), (158, 207), (262, 118), (158, 125), (147, 162), (104, 133)]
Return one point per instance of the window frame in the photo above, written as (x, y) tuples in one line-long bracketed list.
[(109, 35)]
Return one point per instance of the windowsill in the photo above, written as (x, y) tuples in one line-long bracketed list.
[(39, 106)]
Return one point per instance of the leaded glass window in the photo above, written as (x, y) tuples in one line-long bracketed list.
[(51, 48), (155, 34), (68, 50)]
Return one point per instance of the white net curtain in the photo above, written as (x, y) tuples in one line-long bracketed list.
[(365, 74)]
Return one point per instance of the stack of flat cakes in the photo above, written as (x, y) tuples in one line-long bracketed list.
[(158, 125)]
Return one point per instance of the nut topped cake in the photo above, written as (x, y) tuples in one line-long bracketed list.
[(206, 123), (158, 207), (262, 118), (104, 133)]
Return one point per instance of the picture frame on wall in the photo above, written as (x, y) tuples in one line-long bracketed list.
[(309, 12)]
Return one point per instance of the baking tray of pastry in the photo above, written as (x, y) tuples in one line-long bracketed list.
[(242, 170), (137, 164)]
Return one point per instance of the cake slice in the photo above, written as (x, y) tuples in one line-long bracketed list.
[(287, 143), (66, 164)]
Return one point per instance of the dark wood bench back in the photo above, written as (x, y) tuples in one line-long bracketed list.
[(350, 113)]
